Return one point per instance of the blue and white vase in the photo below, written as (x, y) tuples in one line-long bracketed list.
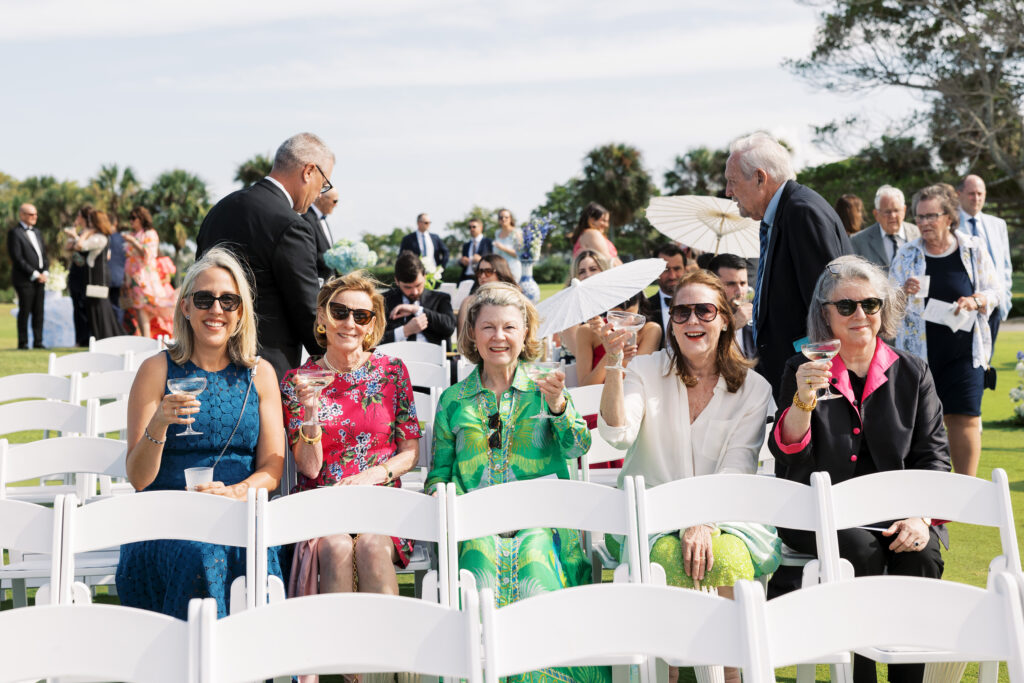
[(526, 283)]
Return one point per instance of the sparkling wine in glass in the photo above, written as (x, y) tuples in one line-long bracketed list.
[(190, 386), (319, 379), (632, 323), (538, 370), (825, 350)]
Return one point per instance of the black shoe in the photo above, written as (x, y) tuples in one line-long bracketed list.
[(38, 346), (23, 347)]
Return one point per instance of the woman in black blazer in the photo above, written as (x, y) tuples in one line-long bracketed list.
[(887, 417)]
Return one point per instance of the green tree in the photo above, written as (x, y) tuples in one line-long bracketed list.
[(115, 189), (614, 176), (459, 229), (386, 246), (700, 171), (178, 201), (564, 203), (253, 170)]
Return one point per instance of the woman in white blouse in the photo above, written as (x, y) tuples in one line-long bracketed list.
[(693, 408)]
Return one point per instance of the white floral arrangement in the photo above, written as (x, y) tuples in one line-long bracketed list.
[(1017, 393), (57, 280), (347, 256)]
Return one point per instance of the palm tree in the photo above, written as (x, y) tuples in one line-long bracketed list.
[(115, 189), (179, 201), (614, 175), (253, 170)]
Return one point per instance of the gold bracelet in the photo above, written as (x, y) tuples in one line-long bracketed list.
[(388, 474), (312, 441), (806, 407)]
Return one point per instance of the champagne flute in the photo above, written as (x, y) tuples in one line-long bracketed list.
[(187, 386), (630, 322), (538, 370), (825, 350), (319, 379)]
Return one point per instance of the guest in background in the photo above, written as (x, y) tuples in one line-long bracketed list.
[(585, 264), (591, 233), (659, 302), (961, 277), (425, 244), (115, 264), (879, 242), (91, 239), (29, 272), (508, 241), (316, 216), (490, 268), (148, 294), (475, 248), (732, 271), (413, 312), (591, 359), (851, 212)]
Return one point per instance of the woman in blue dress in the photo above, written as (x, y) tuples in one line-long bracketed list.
[(239, 413)]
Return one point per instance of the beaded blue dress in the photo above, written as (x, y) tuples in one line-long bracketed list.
[(163, 575)]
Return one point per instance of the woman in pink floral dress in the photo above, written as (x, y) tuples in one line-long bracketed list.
[(149, 295), (368, 436)]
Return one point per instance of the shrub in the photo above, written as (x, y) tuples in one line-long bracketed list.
[(551, 269)]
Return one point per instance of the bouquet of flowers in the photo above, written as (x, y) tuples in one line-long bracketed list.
[(434, 275), (346, 256), (1017, 393), (534, 233), (57, 281)]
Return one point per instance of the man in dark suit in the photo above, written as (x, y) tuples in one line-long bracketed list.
[(661, 301), (879, 242), (29, 273), (474, 248), (732, 271), (424, 243), (800, 233), (263, 225), (415, 313), (317, 215)]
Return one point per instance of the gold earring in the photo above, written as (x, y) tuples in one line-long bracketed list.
[(320, 329)]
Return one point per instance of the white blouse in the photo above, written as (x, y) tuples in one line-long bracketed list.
[(659, 440)]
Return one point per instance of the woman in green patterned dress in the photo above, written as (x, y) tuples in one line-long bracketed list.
[(486, 433)]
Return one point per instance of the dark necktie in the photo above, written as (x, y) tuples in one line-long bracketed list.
[(762, 261), (974, 225), (895, 246)]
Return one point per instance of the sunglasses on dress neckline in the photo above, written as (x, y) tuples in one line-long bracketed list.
[(680, 313), (361, 316), (203, 300), (847, 307), (494, 424)]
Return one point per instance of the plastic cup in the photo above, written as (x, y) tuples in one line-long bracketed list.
[(925, 281), (194, 476)]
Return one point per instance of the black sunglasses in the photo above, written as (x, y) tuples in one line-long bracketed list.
[(327, 186), (680, 313), (341, 312), (485, 271), (846, 307), (494, 424), (204, 300)]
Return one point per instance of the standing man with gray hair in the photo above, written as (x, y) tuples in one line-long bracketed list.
[(263, 225), (878, 243), (800, 234)]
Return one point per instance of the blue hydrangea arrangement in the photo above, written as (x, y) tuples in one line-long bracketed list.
[(346, 256)]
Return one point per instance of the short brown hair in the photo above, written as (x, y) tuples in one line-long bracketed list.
[(945, 195), (500, 294), (731, 363), (358, 281), (142, 213)]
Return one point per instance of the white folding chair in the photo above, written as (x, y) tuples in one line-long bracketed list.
[(557, 629), (921, 616), (571, 378), (86, 361), (426, 409), (461, 294), (99, 642), (463, 369), (50, 416), (31, 536), (428, 375), (587, 401), (76, 455), (122, 343), (113, 384), (34, 385), (110, 522), (352, 510), (417, 352), (134, 359), (341, 633)]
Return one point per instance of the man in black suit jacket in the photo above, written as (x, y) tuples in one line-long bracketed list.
[(415, 313), (317, 215), (29, 273), (800, 234), (422, 238), (263, 225), (661, 301), (732, 271), (473, 249)]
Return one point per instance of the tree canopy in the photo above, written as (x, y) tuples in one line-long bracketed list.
[(253, 170)]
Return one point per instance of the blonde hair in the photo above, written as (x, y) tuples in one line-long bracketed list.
[(500, 294), (242, 342), (358, 281)]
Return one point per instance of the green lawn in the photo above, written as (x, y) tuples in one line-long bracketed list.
[(971, 547)]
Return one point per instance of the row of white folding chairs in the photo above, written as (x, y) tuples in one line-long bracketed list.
[(127, 342), (482, 644), (96, 361)]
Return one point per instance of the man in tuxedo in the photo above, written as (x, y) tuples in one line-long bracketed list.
[(413, 312), (472, 250), (732, 271), (424, 243), (29, 273), (263, 225), (878, 243), (800, 233), (993, 231), (321, 208), (661, 301)]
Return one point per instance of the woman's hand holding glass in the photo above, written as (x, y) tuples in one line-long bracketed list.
[(812, 376), (616, 343), (175, 409), (552, 385), (698, 558)]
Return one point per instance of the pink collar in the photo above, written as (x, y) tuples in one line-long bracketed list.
[(882, 360)]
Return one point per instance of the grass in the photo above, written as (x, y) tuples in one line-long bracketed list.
[(971, 548)]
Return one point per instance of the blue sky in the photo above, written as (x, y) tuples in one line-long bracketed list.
[(430, 106)]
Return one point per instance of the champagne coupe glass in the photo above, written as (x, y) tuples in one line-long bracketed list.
[(825, 350), (632, 323), (318, 378), (537, 370), (190, 386)]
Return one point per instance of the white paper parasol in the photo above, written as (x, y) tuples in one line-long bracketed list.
[(581, 301), (706, 223)]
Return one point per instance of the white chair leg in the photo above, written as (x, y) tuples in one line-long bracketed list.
[(945, 672), (841, 673), (805, 673), (988, 672), (709, 674), (19, 593)]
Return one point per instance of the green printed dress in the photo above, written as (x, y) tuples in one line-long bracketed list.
[(532, 561)]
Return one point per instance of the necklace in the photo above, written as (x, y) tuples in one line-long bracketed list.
[(336, 370)]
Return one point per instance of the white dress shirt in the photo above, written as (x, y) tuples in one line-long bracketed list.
[(35, 245), (474, 247), (426, 245), (992, 231), (400, 332), (279, 186), (322, 220), (666, 324)]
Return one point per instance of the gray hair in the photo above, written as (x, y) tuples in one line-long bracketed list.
[(947, 201), (846, 268), (762, 151), (500, 294), (302, 149), (893, 193)]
